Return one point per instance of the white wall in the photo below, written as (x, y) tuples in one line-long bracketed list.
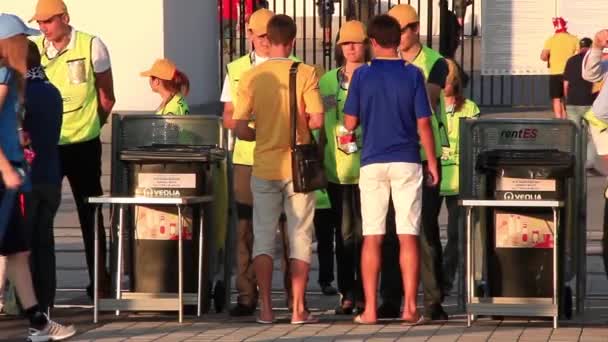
[(139, 31)]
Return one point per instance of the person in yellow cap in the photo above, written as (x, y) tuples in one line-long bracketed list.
[(435, 70), (78, 64), (172, 85), (454, 107), (242, 160), (342, 161)]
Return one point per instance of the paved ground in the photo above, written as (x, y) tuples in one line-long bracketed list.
[(74, 306)]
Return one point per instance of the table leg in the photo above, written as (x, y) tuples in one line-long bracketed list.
[(200, 261), (180, 286), (119, 258), (95, 264), (469, 268), (555, 265)]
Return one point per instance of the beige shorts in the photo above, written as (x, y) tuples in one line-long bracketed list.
[(600, 140), (377, 183), (270, 199)]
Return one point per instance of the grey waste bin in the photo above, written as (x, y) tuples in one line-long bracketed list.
[(520, 240), (169, 171)]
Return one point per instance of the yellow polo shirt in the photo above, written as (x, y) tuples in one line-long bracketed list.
[(561, 46), (263, 93)]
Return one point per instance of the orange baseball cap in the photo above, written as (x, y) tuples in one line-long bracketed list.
[(46, 9), (258, 22), (162, 68), (352, 32), (405, 14)]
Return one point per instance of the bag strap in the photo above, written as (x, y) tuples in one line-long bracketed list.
[(293, 102)]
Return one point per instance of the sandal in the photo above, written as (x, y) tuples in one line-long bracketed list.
[(359, 320)]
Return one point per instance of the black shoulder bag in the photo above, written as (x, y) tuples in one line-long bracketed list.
[(306, 164)]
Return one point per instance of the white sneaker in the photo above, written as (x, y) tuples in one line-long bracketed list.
[(52, 332)]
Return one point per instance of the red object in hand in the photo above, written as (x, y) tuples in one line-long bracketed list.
[(29, 155), (347, 139)]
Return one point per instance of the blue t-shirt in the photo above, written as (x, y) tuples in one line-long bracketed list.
[(388, 96), (43, 117), (9, 137)]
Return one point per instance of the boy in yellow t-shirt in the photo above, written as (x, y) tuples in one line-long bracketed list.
[(556, 52), (264, 90)]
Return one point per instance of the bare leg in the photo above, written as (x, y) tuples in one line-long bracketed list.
[(557, 108), (299, 279), (18, 271), (370, 266), (263, 272), (409, 260)]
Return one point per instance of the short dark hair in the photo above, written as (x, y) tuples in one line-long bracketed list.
[(281, 30), (33, 55), (385, 30), (585, 43)]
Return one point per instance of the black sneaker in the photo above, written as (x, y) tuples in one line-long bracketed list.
[(435, 313), (388, 311), (240, 310), (328, 290)]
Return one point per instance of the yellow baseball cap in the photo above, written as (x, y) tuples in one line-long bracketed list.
[(405, 14), (258, 22), (162, 68), (352, 32), (46, 9)]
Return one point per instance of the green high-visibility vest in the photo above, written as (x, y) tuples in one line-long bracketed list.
[(177, 105), (425, 61), (71, 71), (593, 120), (450, 155), (243, 150), (340, 168), (322, 200)]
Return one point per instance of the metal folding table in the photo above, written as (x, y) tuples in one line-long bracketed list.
[(140, 301), (510, 306)]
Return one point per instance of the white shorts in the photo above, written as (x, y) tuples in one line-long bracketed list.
[(600, 140), (377, 182)]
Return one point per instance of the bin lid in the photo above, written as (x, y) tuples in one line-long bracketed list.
[(547, 158), (173, 153)]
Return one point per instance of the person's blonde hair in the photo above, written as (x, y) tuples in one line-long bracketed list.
[(13, 54), (454, 78)]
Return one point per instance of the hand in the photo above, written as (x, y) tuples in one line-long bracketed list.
[(432, 173), (24, 138), (11, 178), (601, 39)]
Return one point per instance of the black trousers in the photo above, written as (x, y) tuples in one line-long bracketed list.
[(41, 206), (391, 287), (450, 252), (346, 203), (81, 164), (325, 229)]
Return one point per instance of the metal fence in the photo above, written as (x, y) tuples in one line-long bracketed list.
[(319, 21)]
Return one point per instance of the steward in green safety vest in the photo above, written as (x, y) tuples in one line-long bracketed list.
[(78, 64), (435, 70)]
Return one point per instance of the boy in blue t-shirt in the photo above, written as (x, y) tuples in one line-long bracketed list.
[(388, 98)]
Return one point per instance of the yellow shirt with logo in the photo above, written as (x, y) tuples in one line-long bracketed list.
[(264, 90), (561, 46)]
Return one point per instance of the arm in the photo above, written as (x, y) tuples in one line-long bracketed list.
[(351, 122), (428, 144), (243, 131), (105, 94), (544, 55), (229, 123), (566, 83), (315, 121), (10, 177), (436, 82), (594, 69)]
